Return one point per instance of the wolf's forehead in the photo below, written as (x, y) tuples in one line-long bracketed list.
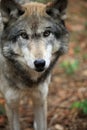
[(35, 8), (35, 14)]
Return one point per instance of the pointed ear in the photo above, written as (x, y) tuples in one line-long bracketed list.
[(10, 9), (57, 8)]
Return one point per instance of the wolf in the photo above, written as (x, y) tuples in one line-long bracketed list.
[(34, 36)]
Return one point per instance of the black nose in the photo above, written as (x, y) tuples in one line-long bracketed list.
[(39, 64)]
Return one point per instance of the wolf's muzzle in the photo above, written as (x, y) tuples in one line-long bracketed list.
[(39, 65)]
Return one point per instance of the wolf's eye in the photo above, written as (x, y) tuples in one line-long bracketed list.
[(46, 33), (24, 35)]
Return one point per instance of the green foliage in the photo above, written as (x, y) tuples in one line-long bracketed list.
[(86, 25), (2, 110), (82, 105), (84, 56), (70, 66), (77, 49)]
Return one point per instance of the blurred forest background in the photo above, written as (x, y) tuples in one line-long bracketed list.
[(67, 99)]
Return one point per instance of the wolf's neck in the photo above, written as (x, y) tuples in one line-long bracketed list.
[(27, 77)]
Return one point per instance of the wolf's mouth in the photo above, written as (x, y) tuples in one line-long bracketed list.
[(40, 69)]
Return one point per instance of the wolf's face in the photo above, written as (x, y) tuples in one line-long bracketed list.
[(33, 33)]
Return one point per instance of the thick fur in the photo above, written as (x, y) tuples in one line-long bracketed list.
[(31, 32)]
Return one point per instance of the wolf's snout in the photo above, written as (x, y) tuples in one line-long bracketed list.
[(39, 65)]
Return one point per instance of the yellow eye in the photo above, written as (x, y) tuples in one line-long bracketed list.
[(24, 35), (46, 33)]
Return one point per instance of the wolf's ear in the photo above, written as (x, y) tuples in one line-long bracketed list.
[(10, 9), (57, 8)]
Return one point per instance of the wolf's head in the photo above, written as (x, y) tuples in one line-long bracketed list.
[(34, 32)]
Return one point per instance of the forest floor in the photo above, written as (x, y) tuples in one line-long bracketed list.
[(67, 86)]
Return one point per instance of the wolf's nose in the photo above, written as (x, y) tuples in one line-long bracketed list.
[(39, 64)]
